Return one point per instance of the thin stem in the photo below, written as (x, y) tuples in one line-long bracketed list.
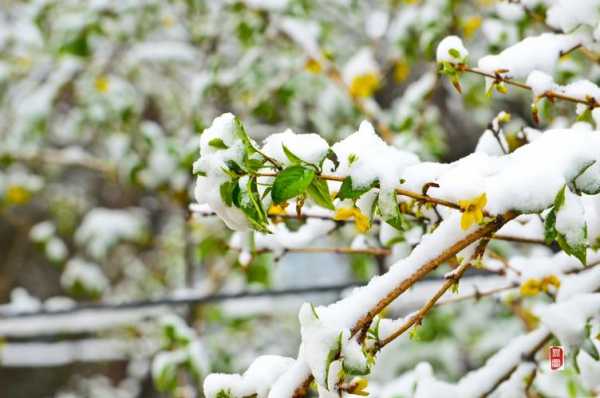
[(453, 278), (363, 323), (551, 95), (376, 251), (399, 191)]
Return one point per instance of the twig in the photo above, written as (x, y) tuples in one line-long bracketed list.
[(453, 278), (551, 95), (376, 251), (399, 191)]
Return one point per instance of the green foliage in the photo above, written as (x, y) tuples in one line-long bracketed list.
[(291, 182)]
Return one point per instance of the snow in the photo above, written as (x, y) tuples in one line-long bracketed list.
[(212, 161), (523, 180), (567, 319), (42, 231), (446, 47), (570, 219), (305, 33), (283, 238), (480, 381), (102, 228), (88, 275), (518, 62), (257, 380), (311, 148), (365, 157), (162, 51), (61, 353), (540, 83), (376, 24), (568, 15)]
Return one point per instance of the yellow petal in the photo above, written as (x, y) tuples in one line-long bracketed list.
[(467, 220), (531, 287), (478, 215), (313, 66), (102, 84), (277, 210), (470, 26), (364, 85), (344, 213), (362, 221), (16, 194), (481, 201), (401, 71)]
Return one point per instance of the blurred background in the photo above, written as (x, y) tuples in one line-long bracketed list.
[(102, 104)]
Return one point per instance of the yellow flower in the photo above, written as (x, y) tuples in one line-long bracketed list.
[(470, 26), (361, 220), (277, 210), (472, 210), (168, 21), (359, 387), (102, 84), (550, 280), (16, 194), (401, 70), (364, 85), (531, 287), (312, 66)]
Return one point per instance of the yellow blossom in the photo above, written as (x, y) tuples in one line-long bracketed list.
[(359, 387), (364, 85), (277, 210), (361, 220), (470, 26), (102, 84), (401, 70), (168, 21), (550, 280), (531, 287), (472, 210), (16, 194), (312, 66)]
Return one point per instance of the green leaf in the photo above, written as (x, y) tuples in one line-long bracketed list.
[(240, 132), (259, 270), (249, 202), (291, 182), (290, 155), (334, 159), (235, 168), (167, 378), (227, 190), (217, 143), (347, 191), (550, 227), (454, 53), (318, 190), (388, 207)]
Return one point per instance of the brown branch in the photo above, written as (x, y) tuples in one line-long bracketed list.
[(429, 266), (399, 191), (551, 95), (519, 239), (375, 251), (452, 278)]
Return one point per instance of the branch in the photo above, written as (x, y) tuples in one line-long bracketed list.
[(376, 251), (551, 95), (399, 191), (452, 278), (429, 266)]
